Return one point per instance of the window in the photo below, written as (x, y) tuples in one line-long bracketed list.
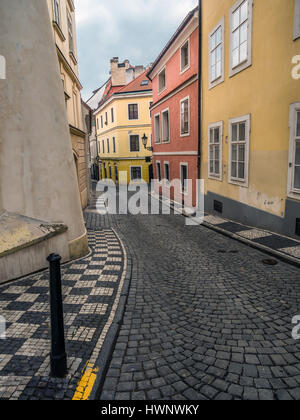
[(240, 36), (185, 117), (106, 118), (162, 81), (157, 128), (110, 172), (56, 12), (133, 112), (297, 20), (216, 60), (215, 150), (165, 126), (158, 168), (112, 115), (167, 171), (103, 146), (145, 83), (136, 173), (97, 123), (184, 177), (185, 57), (70, 30), (239, 150), (114, 145), (150, 106), (107, 145), (134, 141), (294, 154), (101, 121)]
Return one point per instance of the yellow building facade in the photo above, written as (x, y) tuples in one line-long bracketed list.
[(251, 112), (62, 16), (122, 121)]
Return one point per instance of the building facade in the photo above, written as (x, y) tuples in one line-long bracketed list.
[(251, 112), (122, 120), (62, 16), (174, 113)]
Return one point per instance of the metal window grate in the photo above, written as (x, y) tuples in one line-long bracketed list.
[(218, 206)]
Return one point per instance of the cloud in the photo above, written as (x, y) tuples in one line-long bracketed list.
[(133, 29)]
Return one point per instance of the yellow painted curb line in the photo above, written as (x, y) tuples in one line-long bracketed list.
[(86, 383)]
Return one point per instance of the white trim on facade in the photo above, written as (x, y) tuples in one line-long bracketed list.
[(221, 78), (138, 111), (188, 153), (155, 131), (135, 135), (167, 110), (187, 67), (215, 176), (235, 180), (292, 192), (187, 98), (248, 61)]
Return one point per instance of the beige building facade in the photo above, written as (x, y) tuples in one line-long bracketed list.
[(62, 16)]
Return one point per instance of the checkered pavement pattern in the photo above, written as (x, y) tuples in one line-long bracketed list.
[(89, 291), (271, 240)]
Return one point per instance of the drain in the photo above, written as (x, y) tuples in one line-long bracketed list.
[(270, 262)]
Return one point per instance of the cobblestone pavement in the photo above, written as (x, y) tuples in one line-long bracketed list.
[(90, 291), (205, 318)]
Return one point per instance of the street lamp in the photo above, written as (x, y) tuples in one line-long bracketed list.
[(145, 141)]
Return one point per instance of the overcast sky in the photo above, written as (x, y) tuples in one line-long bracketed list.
[(133, 29)]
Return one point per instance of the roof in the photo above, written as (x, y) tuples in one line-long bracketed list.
[(187, 19), (137, 85)]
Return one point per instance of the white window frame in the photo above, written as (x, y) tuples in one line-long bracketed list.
[(158, 163), (220, 79), (155, 138), (184, 69), (245, 64), (187, 98), (56, 11), (211, 175), (136, 135), (138, 111), (136, 166), (167, 181), (297, 20), (160, 91), (71, 32), (167, 110), (185, 192), (236, 181), (292, 191)]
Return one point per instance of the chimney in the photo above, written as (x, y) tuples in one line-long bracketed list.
[(118, 71), (138, 70)]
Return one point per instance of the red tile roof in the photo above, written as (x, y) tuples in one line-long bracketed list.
[(136, 84)]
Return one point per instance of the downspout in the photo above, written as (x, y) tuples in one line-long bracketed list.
[(200, 92)]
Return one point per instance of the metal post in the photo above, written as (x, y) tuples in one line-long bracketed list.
[(58, 357)]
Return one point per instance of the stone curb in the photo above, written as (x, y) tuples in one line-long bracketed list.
[(269, 251), (106, 352)]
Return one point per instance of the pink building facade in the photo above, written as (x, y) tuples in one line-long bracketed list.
[(174, 113)]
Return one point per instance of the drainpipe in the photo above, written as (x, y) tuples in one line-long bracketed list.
[(200, 92)]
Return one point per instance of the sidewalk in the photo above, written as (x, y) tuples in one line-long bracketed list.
[(91, 291), (279, 246)]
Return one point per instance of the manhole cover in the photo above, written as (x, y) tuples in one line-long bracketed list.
[(270, 262)]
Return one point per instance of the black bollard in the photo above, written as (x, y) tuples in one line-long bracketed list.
[(58, 356)]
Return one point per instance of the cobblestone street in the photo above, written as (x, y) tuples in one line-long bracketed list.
[(205, 318)]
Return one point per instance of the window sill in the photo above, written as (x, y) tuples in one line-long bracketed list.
[(182, 71), (58, 30), (239, 68), (185, 134), (216, 82), (239, 183), (215, 177), (73, 57)]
